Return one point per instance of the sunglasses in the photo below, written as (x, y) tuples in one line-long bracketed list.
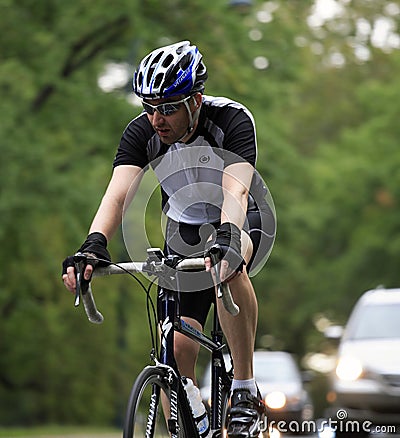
[(165, 109)]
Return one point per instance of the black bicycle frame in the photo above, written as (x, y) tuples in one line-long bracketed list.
[(169, 309), (167, 322)]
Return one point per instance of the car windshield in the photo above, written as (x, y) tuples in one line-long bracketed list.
[(275, 370), (376, 322)]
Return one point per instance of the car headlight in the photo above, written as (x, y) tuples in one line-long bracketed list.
[(275, 400), (349, 368)]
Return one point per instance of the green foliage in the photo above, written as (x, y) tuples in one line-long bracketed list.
[(328, 150)]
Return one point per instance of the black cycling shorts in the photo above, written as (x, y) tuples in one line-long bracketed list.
[(189, 240)]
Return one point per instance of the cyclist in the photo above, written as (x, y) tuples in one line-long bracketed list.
[(203, 150)]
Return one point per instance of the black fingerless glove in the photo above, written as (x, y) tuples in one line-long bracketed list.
[(96, 243), (228, 237)]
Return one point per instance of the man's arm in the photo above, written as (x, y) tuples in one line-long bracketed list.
[(109, 215), (121, 189), (236, 182)]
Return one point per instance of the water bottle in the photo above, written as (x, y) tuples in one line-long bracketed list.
[(199, 410)]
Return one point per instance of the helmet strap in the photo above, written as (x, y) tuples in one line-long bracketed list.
[(192, 119)]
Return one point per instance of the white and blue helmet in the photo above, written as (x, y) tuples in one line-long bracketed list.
[(172, 70)]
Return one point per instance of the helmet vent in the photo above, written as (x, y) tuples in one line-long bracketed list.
[(157, 58), (167, 61), (158, 80), (179, 50), (146, 61), (153, 67), (185, 62), (171, 74)]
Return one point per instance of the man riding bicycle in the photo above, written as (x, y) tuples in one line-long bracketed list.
[(203, 151)]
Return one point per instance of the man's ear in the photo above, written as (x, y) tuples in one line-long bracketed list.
[(197, 99)]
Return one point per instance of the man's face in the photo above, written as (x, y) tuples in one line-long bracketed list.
[(170, 122)]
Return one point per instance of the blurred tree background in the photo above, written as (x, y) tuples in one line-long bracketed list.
[(321, 79)]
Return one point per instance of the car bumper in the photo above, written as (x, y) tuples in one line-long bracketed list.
[(374, 417), (365, 400)]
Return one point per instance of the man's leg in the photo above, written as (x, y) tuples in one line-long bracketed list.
[(247, 410), (186, 351), (240, 330)]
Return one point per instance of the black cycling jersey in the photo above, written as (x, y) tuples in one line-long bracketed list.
[(223, 123), (190, 174)]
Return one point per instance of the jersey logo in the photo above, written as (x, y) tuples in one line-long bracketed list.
[(204, 159)]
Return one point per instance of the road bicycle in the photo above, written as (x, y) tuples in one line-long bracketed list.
[(158, 404)]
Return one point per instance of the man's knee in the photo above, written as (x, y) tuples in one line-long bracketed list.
[(185, 349), (247, 246)]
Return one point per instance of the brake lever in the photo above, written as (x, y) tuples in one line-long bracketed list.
[(223, 291), (215, 255), (80, 261), (84, 291)]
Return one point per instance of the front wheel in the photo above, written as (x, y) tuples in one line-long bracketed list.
[(145, 416)]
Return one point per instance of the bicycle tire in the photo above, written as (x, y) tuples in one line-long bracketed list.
[(144, 415)]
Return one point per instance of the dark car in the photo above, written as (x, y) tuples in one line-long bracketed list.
[(366, 383), (281, 385)]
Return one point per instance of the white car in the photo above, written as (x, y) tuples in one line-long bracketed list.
[(366, 384)]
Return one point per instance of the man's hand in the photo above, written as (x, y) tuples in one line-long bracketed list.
[(228, 242), (69, 275), (225, 274), (95, 247)]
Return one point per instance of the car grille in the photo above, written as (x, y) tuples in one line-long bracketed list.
[(392, 379)]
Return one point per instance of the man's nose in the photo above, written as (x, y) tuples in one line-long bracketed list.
[(157, 118)]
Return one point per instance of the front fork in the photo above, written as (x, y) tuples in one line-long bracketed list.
[(219, 382)]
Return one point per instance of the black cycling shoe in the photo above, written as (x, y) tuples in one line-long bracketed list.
[(247, 415)]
